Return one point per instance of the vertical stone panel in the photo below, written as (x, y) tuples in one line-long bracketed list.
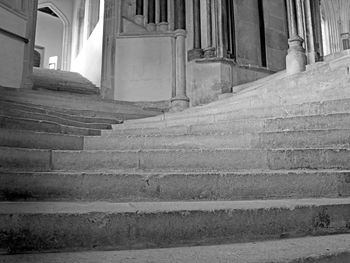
[(276, 34)]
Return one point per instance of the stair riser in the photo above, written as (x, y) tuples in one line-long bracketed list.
[(340, 121), (58, 120), (27, 139), (265, 140), (303, 139), (44, 126), (309, 159), (167, 159), (234, 126), (179, 159), (39, 160), (172, 142), (171, 187), (33, 232)]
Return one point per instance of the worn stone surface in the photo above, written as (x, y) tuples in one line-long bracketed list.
[(39, 140), (323, 249), (51, 226), (126, 186)]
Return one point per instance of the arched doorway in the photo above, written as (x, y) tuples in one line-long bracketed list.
[(53, 37)]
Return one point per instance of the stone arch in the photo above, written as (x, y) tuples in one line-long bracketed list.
[(67, 34)]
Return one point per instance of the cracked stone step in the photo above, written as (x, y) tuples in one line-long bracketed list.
[(126, 186), (184, 159), (319, 249), (55, 226)]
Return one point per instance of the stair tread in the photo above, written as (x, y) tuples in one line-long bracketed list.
[(160, 207), (310, 249), (160, 172)]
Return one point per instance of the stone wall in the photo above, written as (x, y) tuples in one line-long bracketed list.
[(16, 33)]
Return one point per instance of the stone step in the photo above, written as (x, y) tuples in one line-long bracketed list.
[(206, 139), (76, 104), (202, 116), (176, 159), (157, 185), (40, 140), (305, 139), (44, 126), (317, 249), (189, 141), (51, 118), (327, 121), (74, 116), (41, 226), (62, 81), (235, 126)]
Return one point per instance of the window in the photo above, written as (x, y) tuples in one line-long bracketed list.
[(80, 28), (94, 15)]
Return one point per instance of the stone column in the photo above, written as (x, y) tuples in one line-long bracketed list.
[(296, 58), (209, 51), (316, 14), (163, 16), (197, 51), (111, 28), (220, 47), (139, 19), (310, 33), (180, 14), (151, 26), (300, 19), (180, 101), (27, 81)]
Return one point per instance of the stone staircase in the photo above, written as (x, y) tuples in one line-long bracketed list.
[(66, 81), (262, 176)]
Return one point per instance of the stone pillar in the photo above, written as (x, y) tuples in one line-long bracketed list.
[(197, 51), (209, 51), (220, 46), (180, 14), (310, 33), (139, 19), (27, 81), (163, 16), (316, 14), (151, 26), (300, 19), (111, 28), (180, 101), (296, 58)]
